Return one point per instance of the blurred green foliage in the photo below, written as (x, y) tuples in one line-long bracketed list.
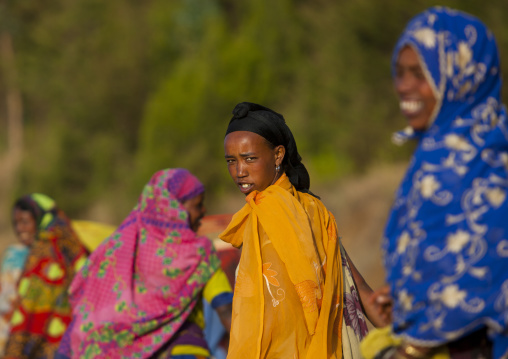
[(115, 90)]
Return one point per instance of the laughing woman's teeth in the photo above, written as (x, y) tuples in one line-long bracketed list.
[(245, 185), (411, 106)]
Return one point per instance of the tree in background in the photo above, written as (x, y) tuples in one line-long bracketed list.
[(113, 91), (10, 161)]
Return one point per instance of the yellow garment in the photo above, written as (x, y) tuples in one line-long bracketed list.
[(288, 299), (90, 233), (190, 350), (380, 339), (217, 285)]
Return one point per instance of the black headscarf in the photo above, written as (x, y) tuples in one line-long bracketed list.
[(271, 126), (39, 205)]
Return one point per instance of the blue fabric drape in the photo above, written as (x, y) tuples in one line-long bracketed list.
[(446, 240)]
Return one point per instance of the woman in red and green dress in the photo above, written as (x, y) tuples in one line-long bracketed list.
[(42, 311)]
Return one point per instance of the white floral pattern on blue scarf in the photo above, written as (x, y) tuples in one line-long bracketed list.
[(446, 241)]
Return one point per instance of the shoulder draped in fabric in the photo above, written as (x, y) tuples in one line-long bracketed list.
[(446, 241), (293, 271), (141, 284)]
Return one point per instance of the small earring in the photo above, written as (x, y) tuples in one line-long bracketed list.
[(277, 168)]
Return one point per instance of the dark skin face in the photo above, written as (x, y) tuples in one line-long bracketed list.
[(24, 226), (417, 99), (196, 209), (252, 161)]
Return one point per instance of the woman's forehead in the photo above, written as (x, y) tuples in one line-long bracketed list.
[(23, 212), (408, 57), (245, 138)]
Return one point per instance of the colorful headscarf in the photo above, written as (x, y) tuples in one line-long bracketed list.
[(140, 285), (446, 240), (43, 311)]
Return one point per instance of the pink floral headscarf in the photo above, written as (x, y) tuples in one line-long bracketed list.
[(141, 284)]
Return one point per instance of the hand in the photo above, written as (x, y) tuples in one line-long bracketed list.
[(381, 304), (372, 308)]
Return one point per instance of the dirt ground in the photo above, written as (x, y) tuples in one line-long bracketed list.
[(360, 205)]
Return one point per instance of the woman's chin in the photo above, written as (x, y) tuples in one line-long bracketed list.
[(418, 123)]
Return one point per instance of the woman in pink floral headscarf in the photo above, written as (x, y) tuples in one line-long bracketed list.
[(139, 294)]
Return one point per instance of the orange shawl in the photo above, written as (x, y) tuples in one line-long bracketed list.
[(288, 296)]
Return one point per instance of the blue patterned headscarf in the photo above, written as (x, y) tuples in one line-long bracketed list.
[(446, 240)]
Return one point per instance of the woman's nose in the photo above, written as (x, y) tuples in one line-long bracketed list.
[(241, 170)]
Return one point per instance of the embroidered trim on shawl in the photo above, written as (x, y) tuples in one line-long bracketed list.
[(307, 292)]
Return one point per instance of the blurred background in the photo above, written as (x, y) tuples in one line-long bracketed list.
[(95, 96)]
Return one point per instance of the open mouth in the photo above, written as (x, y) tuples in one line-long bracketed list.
[(411, 107), (245, 187)]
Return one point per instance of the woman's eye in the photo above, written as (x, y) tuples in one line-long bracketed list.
[(250, 159), (229, 161), (419, 74)]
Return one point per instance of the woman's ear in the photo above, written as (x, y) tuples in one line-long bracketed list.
[(280, 152)]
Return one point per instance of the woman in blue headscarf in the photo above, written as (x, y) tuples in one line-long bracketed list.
[(446, 240)]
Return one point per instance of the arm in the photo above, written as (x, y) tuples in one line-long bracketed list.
[(382, 302), (376, 305)]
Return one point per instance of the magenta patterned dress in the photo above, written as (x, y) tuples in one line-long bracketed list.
[(140, 285)]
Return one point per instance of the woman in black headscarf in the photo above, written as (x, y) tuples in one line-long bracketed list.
[(297, 292)]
